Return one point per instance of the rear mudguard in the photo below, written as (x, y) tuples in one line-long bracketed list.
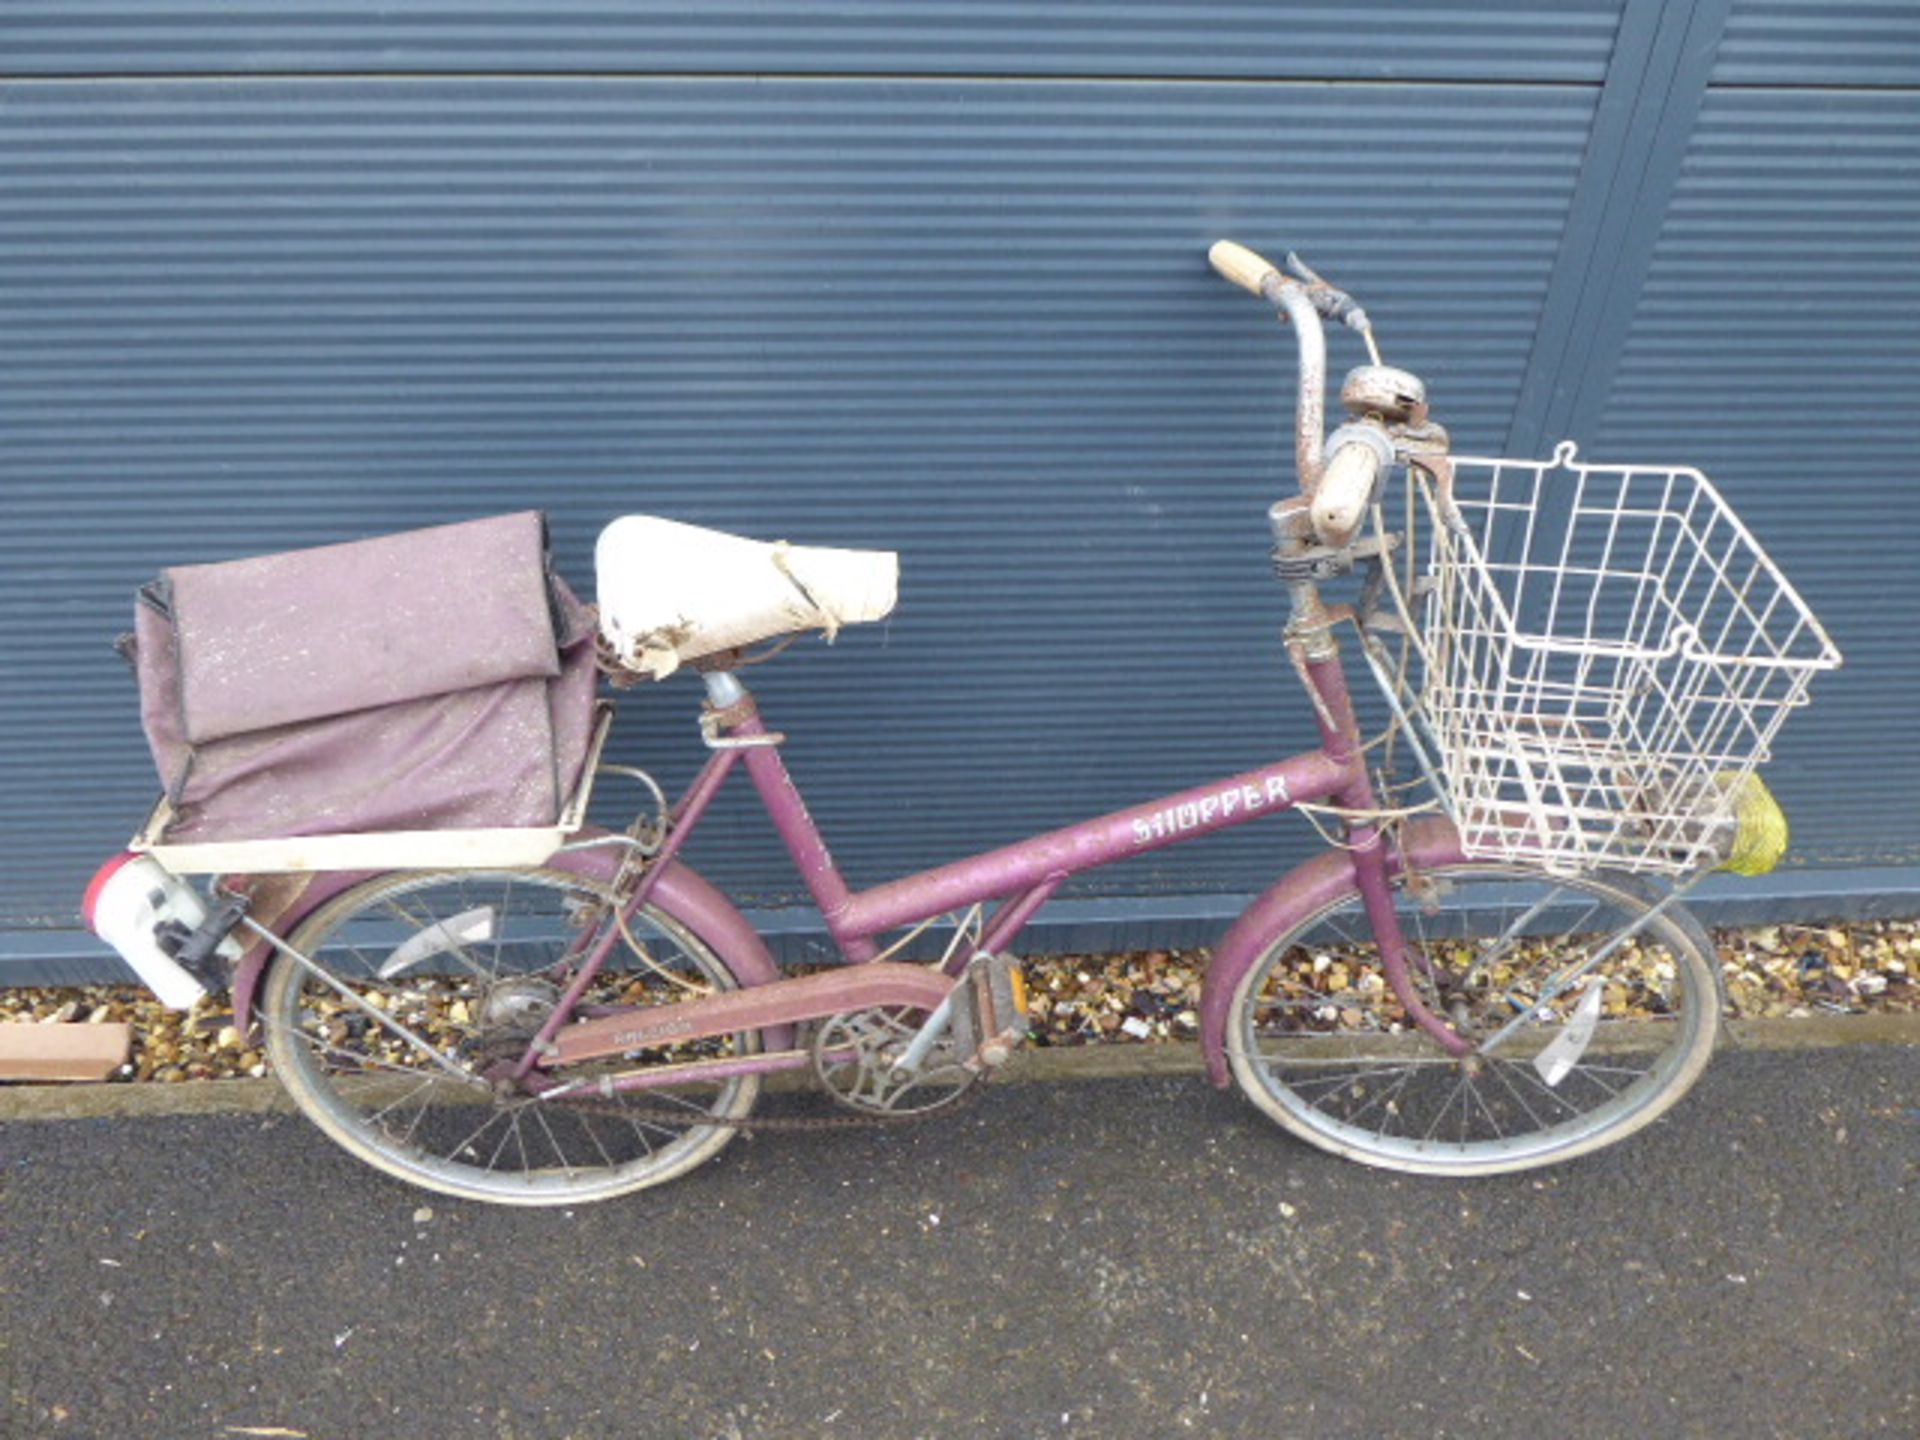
[(1297, 896), (680, 892)]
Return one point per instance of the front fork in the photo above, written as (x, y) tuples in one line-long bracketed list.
[(1318, 660)]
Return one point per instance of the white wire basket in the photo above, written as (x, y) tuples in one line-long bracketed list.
[(1609, 655)]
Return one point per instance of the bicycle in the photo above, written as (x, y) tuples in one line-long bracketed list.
[(1489, 980)]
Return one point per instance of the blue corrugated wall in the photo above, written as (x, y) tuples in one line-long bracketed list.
[(929, 277)]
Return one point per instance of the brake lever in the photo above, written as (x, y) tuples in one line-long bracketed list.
[(1332, 302), (1329, 299), (1302, 271)]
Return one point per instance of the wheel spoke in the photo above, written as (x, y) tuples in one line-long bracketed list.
[(1417, 971), (1441, 1114), (520, 1139), (1503, 942), (450, 944), (1390, 1104), (1385, 1097), (585, 1121), (1519, 1096), (1493, 1121), (466, 1145), (413, 1126), (559, 1153), (1591, 1075), (426, 1083), (1338, 1081), (360, 1060), (500, 929)]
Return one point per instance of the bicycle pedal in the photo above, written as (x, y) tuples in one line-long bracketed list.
[(997, 1005)]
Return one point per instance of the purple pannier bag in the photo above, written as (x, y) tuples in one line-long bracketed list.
[(436, 679)]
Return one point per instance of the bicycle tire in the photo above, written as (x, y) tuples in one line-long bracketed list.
[(333, 1061), (1320, 1052)]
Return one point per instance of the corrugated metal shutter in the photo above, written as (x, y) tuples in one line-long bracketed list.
[(1774, 345), (1408, 40), (922, 276), (1796, 43)]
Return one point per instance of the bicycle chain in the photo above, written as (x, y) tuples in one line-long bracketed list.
[(678, 1116)]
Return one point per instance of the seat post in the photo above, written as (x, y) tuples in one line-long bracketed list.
[(724, 689)]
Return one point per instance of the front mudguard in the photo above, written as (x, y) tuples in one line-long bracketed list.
[(1297, 896), (680, 892)]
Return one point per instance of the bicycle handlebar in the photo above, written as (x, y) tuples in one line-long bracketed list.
[(1341, 486), (1261, 277), (1258, 275)]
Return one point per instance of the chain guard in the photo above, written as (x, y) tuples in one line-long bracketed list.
[(942, 1087)]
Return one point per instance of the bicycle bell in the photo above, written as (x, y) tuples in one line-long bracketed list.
[(1384, 391)]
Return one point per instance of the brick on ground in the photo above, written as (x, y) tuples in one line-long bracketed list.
[(63, 1052)]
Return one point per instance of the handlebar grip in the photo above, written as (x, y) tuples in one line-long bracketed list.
[(1243, 267), (1345, 491)]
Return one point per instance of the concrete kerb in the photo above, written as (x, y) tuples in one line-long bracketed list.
[(1054, 1065)]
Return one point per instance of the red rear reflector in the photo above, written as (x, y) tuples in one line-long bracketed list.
[(101, 876)]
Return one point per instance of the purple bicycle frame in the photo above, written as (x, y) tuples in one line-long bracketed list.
[(1021, 877)]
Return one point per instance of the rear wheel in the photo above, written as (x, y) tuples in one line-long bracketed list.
[(450, 975), (1596, 1038)]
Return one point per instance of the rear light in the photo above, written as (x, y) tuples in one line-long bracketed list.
[(130, 898), (91, 902)]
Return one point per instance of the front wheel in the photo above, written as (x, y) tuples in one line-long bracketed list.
[(1597, 1036), (447, 976)]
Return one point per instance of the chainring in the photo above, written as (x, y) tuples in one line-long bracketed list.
[(854, 1054)]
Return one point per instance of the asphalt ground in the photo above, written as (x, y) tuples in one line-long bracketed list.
[(1124, 1257)]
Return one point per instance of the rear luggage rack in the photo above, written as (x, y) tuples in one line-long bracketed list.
[(476, 849)]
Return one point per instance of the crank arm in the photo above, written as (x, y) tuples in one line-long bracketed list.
[(926, 1038)]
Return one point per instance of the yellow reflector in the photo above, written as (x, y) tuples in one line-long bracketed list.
[(1760, 842), (1019, 979)]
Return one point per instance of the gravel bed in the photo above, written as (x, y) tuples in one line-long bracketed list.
[(1138, 997)]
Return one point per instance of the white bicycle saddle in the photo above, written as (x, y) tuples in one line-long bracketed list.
[(671, 592)]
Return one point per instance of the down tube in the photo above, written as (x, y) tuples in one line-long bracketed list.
[(1119, 836)]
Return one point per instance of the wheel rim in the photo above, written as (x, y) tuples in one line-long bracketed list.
[(475, 962), (1321, 1042)]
